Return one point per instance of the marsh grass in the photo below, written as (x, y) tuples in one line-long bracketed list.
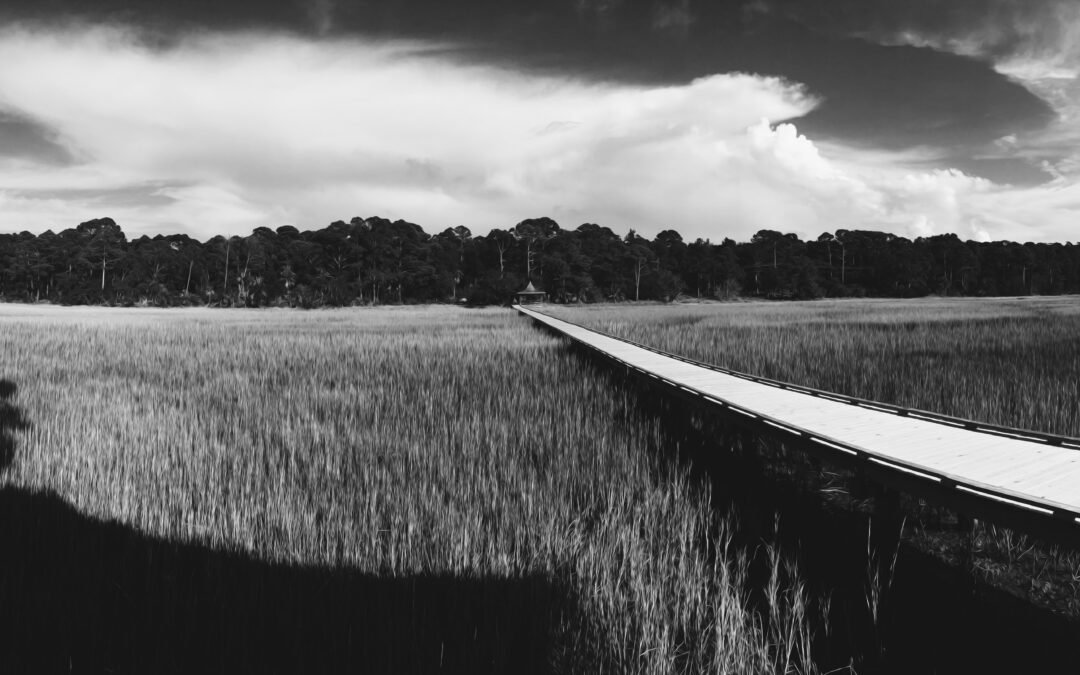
[(287, 461), (1010, 362)]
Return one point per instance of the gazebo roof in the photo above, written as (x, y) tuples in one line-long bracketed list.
[(529, 289)]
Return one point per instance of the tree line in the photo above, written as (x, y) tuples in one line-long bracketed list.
[(378, 261)]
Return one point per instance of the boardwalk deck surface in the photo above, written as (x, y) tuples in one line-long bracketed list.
[(1034, 479)]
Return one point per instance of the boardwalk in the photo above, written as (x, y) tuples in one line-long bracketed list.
[(1021, 479)]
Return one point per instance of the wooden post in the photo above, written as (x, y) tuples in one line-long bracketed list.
[(965, 525)]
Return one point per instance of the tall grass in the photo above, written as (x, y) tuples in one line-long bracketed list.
[(397, 443), (1009, 362)]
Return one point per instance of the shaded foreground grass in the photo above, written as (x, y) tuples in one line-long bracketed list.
[(84, 595), (393, 490), (11, 420)]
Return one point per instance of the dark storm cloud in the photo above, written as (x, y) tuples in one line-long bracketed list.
[(25, 138), (1033, 43), (881, 96), (875, 94)]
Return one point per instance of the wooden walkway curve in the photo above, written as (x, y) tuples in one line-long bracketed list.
[(1024, 480)]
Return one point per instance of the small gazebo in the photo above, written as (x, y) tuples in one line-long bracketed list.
[(530, 296)]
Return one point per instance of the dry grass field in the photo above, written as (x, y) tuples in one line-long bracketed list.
[(390, 490)]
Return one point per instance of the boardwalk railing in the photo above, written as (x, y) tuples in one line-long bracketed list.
[(1026, 480)]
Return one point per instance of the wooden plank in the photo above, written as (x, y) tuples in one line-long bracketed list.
[(1043, 473), (1061, 491), (1062, 487)]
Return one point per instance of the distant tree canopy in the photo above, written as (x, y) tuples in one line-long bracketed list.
[(375, 261)]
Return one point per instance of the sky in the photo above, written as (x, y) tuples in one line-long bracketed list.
[(715, 118)]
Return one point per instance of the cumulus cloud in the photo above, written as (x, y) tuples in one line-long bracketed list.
[(264, 129), (224, 133), (858, 189), (789, 183)]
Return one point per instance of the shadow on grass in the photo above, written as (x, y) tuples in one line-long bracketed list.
[(11, 420), (931, 617), (82, 595)]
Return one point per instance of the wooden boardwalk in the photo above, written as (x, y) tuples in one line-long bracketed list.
[(1024, 480)]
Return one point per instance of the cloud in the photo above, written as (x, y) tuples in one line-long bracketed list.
[(264, 129), (222, 133), (841, 187), (999, 30), (26, 139), (858, 189), (1033, 42)]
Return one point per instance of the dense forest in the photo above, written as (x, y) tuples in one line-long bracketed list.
[(377, 261)]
